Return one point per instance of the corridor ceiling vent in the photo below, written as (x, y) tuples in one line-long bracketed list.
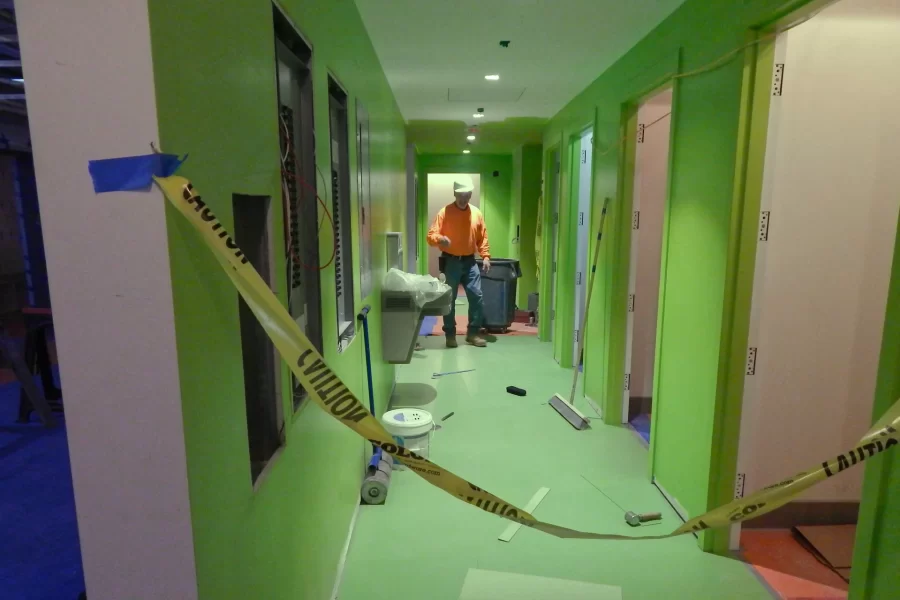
[(485, 92)]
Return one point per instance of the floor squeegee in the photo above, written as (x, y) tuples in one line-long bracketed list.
[(566, 408)]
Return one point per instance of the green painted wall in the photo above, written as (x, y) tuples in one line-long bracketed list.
[(494, 137), (496, 195), (215, 80), (698, 223), (877, 552)]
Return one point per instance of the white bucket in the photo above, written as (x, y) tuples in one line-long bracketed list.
[(411, 427)]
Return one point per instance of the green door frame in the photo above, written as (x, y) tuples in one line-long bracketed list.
[(564, 336), (551, 178)]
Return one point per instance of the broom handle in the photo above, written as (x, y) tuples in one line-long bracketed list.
[(587, 304)]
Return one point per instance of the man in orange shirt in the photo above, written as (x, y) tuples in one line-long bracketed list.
[(459, 231)]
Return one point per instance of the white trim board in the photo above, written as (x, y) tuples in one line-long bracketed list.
[(342, 561)]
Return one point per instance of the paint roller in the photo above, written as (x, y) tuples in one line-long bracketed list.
[(378, 479)]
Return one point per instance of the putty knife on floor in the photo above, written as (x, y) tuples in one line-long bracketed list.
[(436, 375)]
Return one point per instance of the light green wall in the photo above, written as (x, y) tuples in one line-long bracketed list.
[(496, 195), (877, 552), (216, 95), (494, 137)]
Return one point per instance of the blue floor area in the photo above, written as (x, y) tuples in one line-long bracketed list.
[(428, 324), (40, 558), (641, 424)]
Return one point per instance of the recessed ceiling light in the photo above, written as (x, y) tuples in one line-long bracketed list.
[(478, 115), (471, 138), (466, 151), (492, 77), (18, 80)]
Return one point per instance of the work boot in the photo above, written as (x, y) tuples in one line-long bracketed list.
[(451, 341), (476, 340)]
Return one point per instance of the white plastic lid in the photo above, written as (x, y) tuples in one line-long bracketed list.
[(409, 421)]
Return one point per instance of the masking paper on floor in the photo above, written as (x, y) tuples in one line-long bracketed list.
[(496, 585), (332, 396)]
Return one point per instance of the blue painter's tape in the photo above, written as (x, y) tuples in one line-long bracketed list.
[(131, 172)]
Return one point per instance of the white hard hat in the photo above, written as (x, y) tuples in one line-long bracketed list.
[(462, 183)]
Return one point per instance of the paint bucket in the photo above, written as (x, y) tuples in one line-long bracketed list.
[(412, 428)]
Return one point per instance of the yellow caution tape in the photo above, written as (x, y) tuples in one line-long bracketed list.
[(332, 396)]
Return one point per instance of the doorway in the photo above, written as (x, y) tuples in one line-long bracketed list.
[(826, 236), (440, 194), (651, 175), (584, 151)]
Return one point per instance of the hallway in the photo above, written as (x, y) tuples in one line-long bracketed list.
[(422, 542)]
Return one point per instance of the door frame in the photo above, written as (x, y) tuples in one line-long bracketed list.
[(550, 245), (618, 337), (452, 164), (564, 332), (587, 224)]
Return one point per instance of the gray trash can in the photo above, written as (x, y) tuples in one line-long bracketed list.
[(499, 290)]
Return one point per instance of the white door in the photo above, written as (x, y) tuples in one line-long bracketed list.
[(827, 232), (584, 225)]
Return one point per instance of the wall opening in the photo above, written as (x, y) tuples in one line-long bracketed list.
[(651, 176), (341, 212), (298, 183), (440, 194), (363, 177), (262, 366), (826, 237)]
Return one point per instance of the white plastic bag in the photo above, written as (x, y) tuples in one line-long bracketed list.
[(425, 287)]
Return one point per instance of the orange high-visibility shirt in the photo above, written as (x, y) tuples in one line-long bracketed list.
[(465, 228)]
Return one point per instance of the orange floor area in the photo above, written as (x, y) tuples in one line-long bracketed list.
[(462, 321), (788, 568)]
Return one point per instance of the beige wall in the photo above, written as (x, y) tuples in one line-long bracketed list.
[(440, 194), (832, 178), (90, 96), (650, 186)]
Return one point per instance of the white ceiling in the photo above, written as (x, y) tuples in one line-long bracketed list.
[(436, 52)]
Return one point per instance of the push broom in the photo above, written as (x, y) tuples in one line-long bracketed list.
[(567, 409)]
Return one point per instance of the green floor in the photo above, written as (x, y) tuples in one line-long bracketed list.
[(422, 542)]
